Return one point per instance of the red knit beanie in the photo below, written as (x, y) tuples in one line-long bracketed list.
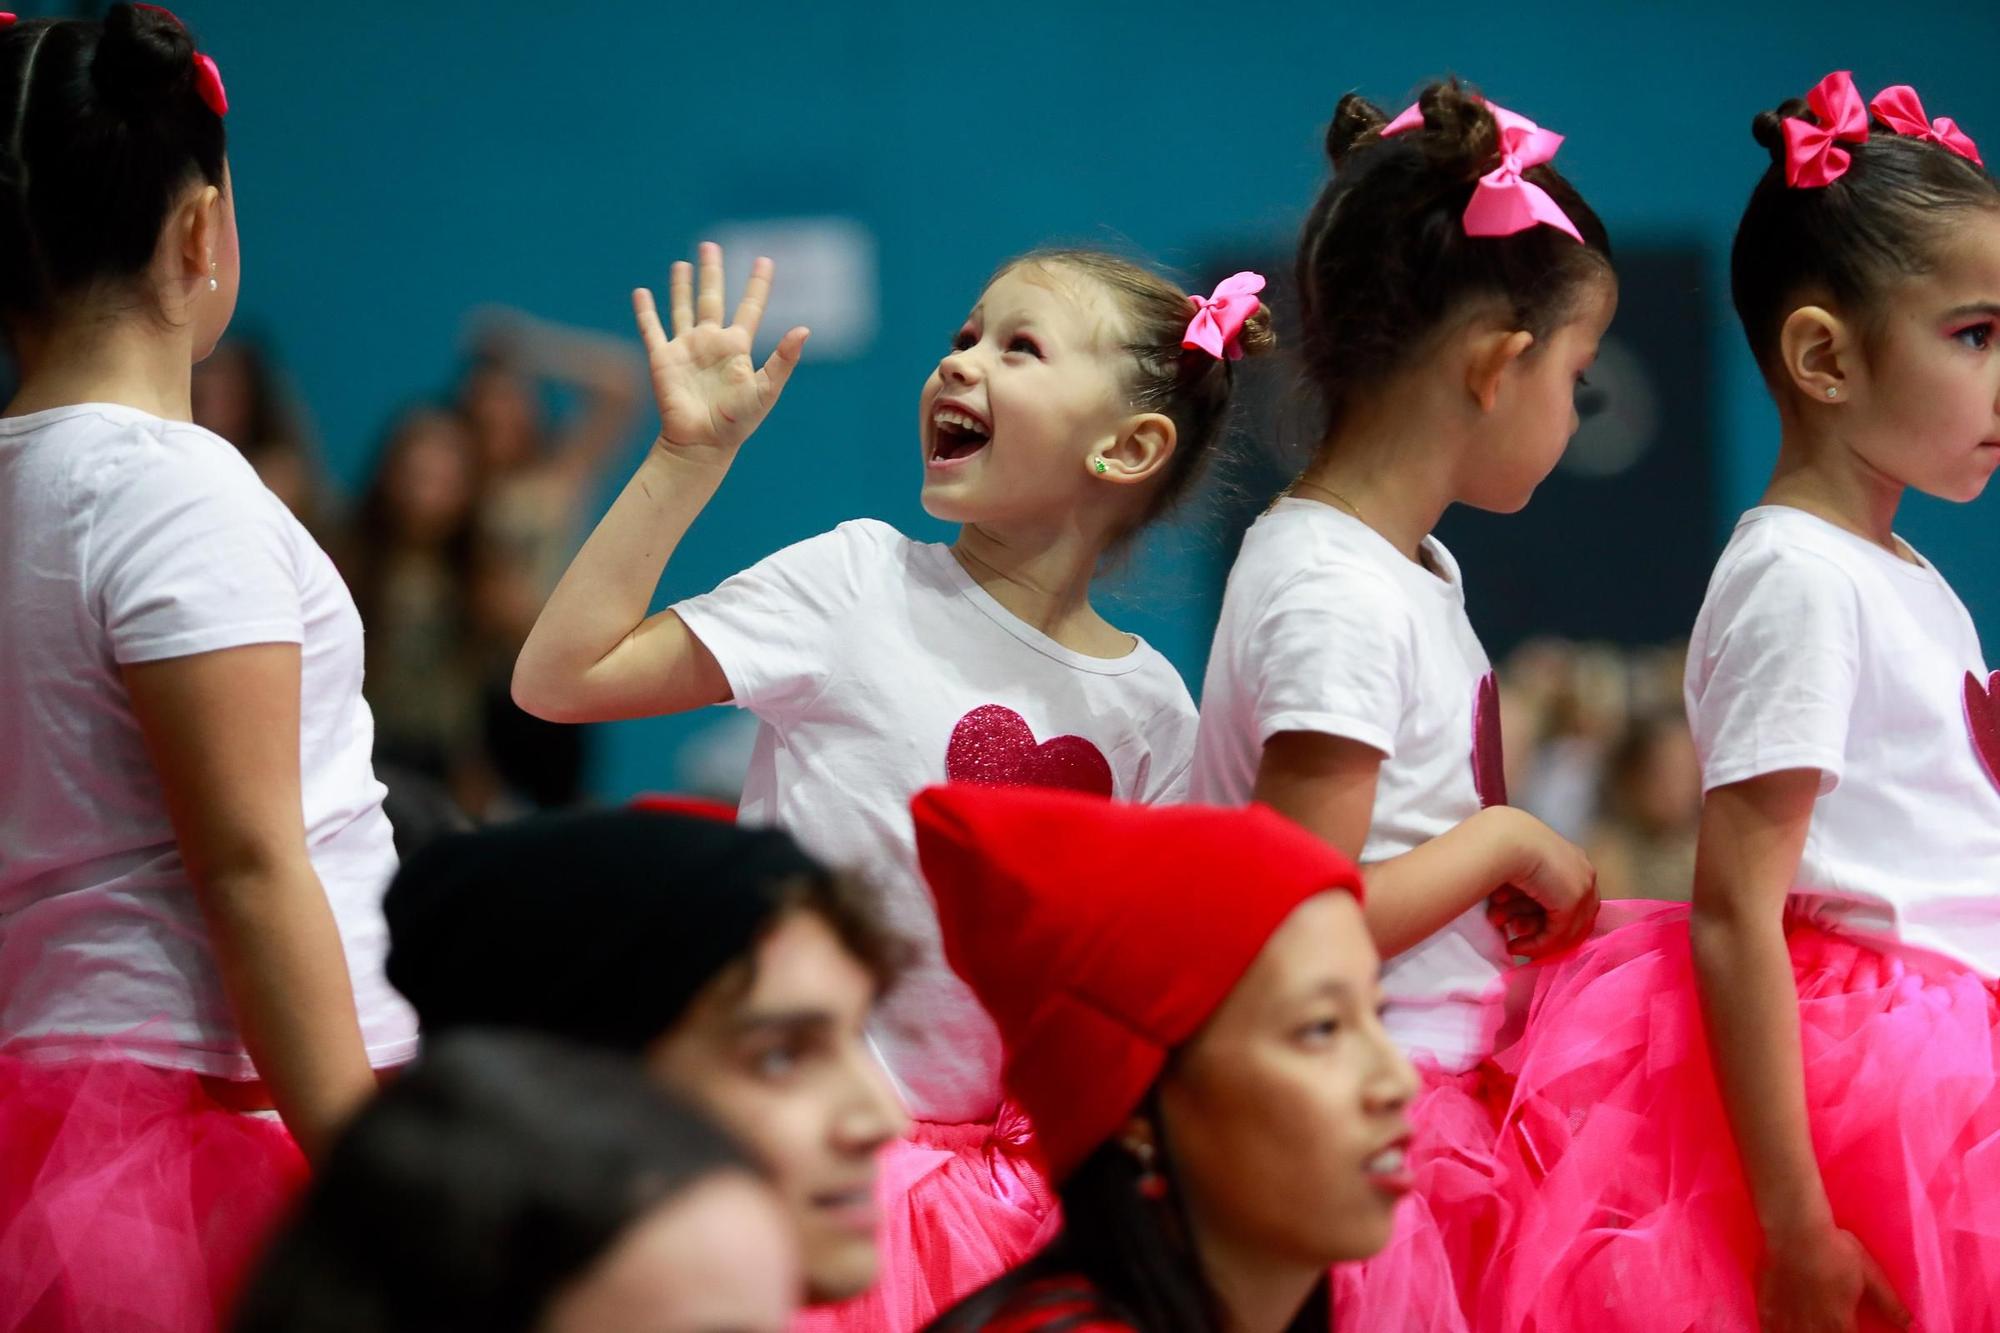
[(1101, 935)]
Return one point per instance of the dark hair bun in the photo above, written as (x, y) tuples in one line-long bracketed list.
[(144, 59), (1460, 135), (1354, 118), (1258, 336), (1768, 127)]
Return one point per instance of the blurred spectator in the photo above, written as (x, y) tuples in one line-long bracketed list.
[(513, 1183), (1581, 715), (239, 394), (541, 478), (1643, 846), (408, 562)]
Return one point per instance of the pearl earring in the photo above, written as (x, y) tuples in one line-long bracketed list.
[(1832, 391), (212, 283)]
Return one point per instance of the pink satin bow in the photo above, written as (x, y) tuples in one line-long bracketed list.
[(1899, 109), (1813, 155), (1505, 201), (1220, 316)]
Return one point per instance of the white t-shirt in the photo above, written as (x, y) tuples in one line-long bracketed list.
[(877, 667), (125, 538), (1818, 649), (1326, 627)]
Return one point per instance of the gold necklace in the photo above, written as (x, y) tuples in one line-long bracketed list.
[(1330, 494)]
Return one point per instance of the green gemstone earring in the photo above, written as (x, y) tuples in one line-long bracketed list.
[(1102, 467)]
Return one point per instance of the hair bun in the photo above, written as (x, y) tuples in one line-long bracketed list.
[(1768, 127), (1258, 336), (1354, 118), (144, 58), (1460, 135)]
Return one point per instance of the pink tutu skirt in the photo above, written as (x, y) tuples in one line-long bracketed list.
[(961, 1204), (1630, 1210), (1449, 1227), (130, 1201)]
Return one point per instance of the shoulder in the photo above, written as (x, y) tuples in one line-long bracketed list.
[(1057, 1305)]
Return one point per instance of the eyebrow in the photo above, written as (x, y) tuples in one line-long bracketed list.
[(1990, 309), (780, 1020)]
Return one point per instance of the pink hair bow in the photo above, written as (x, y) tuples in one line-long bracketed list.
[(1505, 201), (1899, 109), (1220, 316), (1813, 155)]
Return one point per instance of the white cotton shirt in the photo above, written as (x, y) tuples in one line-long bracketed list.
[(126, 538), (877, 667), (1817, 649), (1326, 627)]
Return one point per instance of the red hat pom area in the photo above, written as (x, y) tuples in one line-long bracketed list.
[(1101, 935)]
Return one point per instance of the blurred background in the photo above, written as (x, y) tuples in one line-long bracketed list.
[(444, 207)]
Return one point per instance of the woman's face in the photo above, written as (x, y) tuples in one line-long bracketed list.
[(718, 1258), (1285, 1117)]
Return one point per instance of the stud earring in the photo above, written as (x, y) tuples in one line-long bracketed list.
[(1102, 467), (1152, 1186), (1832, 391), (212, 283)]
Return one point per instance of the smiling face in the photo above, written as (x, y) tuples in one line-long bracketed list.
[(1030, 391), (1923, 401), (777, 1051), (1285, 1116)]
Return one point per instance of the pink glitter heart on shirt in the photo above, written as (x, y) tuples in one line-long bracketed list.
[(995, 745), (1982, 720), (1489, 760)]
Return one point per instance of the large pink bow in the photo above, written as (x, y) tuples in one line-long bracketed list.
[(1505, 201), (1220, 316), (1899, 109), (1813, 155)]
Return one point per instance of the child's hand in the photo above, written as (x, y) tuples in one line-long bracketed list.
[(711, 397), (1552, 903), (1817, 1283)]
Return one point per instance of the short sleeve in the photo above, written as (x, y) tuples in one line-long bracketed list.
[(1333, 656), (191, 554), (775, 628), (1774, 684)]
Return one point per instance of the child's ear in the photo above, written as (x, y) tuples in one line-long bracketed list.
[(1493, 351), (1139, 451), (1818, 352)]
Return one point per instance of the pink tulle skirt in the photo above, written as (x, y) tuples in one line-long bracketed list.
[(961, 1204), (1629, 1206), (130, 1202), (1449, 1227)]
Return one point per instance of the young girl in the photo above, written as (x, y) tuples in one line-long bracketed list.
[(1076, 403), (1453, 289), (1826, 1147), (195, 850), (1198, 1044)]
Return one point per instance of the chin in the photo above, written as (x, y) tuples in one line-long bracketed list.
[(842, 1272)]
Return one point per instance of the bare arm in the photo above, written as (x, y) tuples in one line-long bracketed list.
[(1327, 784), (600, 368), (1752, 834), (222, 730), (594, 654)]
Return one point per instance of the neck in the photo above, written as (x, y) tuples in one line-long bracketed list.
[(126, 358), (1255, 1293), (1041, 575), (1384, 467), (1820, 472)]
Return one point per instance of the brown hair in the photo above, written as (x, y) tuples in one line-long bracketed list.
[(1188, 387), (1384, 262), (1883, 219)]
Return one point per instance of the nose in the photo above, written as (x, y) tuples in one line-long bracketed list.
[(1393, 1083), (871, 1113), (959, 367)]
